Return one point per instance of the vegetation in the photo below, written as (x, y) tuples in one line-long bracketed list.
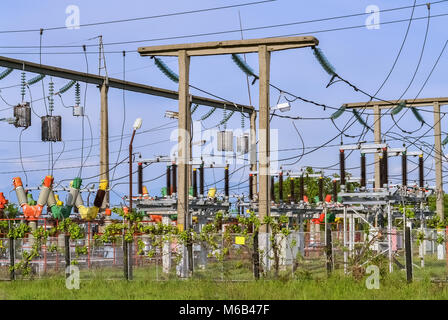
[(335, 287), (311, 186)]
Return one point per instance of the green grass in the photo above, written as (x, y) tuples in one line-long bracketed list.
[(336, 287)]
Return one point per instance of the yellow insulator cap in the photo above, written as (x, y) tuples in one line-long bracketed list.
[(88, 214), (145, 190), (211, 192), (58, 201), (103, 184)]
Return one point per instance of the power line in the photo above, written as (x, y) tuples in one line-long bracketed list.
[(141, 18)]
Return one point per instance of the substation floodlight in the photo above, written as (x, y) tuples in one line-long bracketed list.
[(283, 107), (137, 123), (172, 114)]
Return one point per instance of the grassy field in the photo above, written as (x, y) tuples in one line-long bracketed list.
[(336, 287), (215, 283)]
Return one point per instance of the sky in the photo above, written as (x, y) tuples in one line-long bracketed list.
[(362, 55)]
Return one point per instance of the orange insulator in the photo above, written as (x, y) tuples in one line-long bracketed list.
[(17, 182), (48, 181), (125, 211), (32, 213), (156, 218), (3, 201), (107, 212)]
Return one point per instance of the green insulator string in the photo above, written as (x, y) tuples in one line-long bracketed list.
[(224, 115), (194, 108), (208, 114), (67, 86), (338, 113), (51, 97), (417, 114), (77, 94), (36, 79), (244, 67), (398, 108), (23, 85), (323, 61), (445, 141), (5, 73), (166, 70)]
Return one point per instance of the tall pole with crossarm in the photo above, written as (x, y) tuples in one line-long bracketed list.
[(263, 47)]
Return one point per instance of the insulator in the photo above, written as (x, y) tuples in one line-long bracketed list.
[(224, 122), (195, 183), (363, 170), (342, 166), (301, 188), (23, 85), (385, 166), (225, 141), (291, 190), (335, 191), (226, 181), (321, 189), (201, 179), (280, 186), (420, 171), (22, 115), (45, 191), (77, 94), (140, 178), (174, 171), (251, 182), (51, 96), (404, 169), (168, 180), (100, 194), (51, 128)]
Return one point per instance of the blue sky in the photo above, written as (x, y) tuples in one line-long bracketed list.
[(360, 55)]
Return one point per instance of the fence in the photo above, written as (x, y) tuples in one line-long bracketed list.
[(227, 257)]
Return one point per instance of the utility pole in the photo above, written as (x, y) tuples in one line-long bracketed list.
[(264, 197), (438, 161), (435, 103), (184, 134), (104, 140), (253, 151), (263, 47), (377, 138)]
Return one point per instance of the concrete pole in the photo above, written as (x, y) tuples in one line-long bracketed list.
[(345, 241), (166, 249), (104, 141), (438, 161), (377, 138), (389, 237), (264, 143), (264, 195), (253, 150), (183, 153)]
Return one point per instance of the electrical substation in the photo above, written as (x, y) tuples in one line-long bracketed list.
[(282, 218)]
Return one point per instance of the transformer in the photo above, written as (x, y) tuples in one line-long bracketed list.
[(225, 141), (22, 115), (51, 128), (78, 111), (242, 144)]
